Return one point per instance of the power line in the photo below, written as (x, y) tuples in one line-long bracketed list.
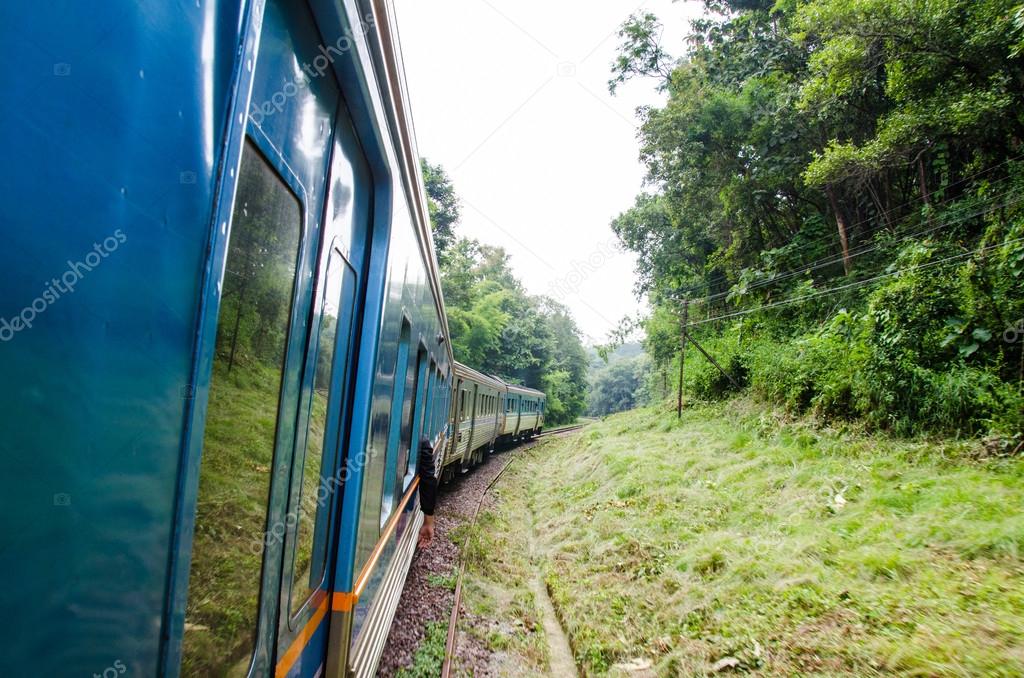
[(887, 213), (854, 285), (864, 249)]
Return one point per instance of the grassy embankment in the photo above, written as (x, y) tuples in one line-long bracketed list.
[(732, 541)]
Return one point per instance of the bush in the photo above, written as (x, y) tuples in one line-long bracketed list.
[(704, 380), (819, 372)]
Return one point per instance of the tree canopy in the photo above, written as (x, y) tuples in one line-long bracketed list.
[(810, 148), (443, 204)]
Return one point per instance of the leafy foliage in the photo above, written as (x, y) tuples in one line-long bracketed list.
[(621, 383), (862, 159), (443, 203), (499, 329)]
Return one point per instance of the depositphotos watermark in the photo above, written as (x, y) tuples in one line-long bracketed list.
[(116, 669), (1014, 333), (58, 287), (570, 283), (324, 491), (309, 72)]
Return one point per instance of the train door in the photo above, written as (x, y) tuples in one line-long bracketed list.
[(474, 398), (458, 414), (518, 413), (277, 412)]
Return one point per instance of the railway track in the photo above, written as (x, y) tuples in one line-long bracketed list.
[(449, 650), (556, 431)]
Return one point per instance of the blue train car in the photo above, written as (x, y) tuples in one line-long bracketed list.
[(476, 411), (487, 411), (523, 413), (221, 334)]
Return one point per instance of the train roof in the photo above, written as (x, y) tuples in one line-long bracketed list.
[(467, 371), (389, 66), (522, 390)]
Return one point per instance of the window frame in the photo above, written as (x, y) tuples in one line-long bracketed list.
[(255, 143)]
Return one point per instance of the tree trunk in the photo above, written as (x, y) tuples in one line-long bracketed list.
[(841, 225), (923, 181), (882, 214), (682, 356)]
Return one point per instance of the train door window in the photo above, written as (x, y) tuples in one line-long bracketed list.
[(401, 420), (241, 423), (439, 411), (330, 356), (427, 424), (410, 422)]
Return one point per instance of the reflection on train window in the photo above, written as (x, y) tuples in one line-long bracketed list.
[(241, 420), (313, 509), (439, 411), (401, 413), (429, 398)]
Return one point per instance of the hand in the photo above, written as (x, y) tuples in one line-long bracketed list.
[(426, 532)]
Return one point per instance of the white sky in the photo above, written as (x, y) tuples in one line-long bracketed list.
[(511, 97)]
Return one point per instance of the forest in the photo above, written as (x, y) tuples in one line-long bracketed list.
[(833, 209), (496, 326)]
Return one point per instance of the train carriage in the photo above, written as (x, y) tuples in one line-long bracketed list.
[(476, 416), (227, 336), (222, 341), (523, 413)]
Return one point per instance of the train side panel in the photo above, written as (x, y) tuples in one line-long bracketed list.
[(116, 122)]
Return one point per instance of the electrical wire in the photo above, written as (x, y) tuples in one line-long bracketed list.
[(855, 285), (864, 249), (887, 213)]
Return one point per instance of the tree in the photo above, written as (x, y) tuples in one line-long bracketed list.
[(618, 386), (805, 146), (444, 206), (499, 329)]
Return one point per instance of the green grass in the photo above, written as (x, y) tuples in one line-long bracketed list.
[(502, 610), (429, 656), (780, 547), (446, 581)]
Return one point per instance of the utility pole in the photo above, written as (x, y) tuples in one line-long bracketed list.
[(682, 354)]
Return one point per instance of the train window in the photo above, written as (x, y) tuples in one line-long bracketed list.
[(401, 421), (439, 411), (241, 423), (427, 423), (310, 556), (411, 418)]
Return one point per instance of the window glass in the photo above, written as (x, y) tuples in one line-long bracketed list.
[(439, 413), (401, 421), (241, 423), (411, 421), (312, 509), (427, 425)]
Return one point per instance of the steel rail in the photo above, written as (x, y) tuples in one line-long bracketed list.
[(453, 620)]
